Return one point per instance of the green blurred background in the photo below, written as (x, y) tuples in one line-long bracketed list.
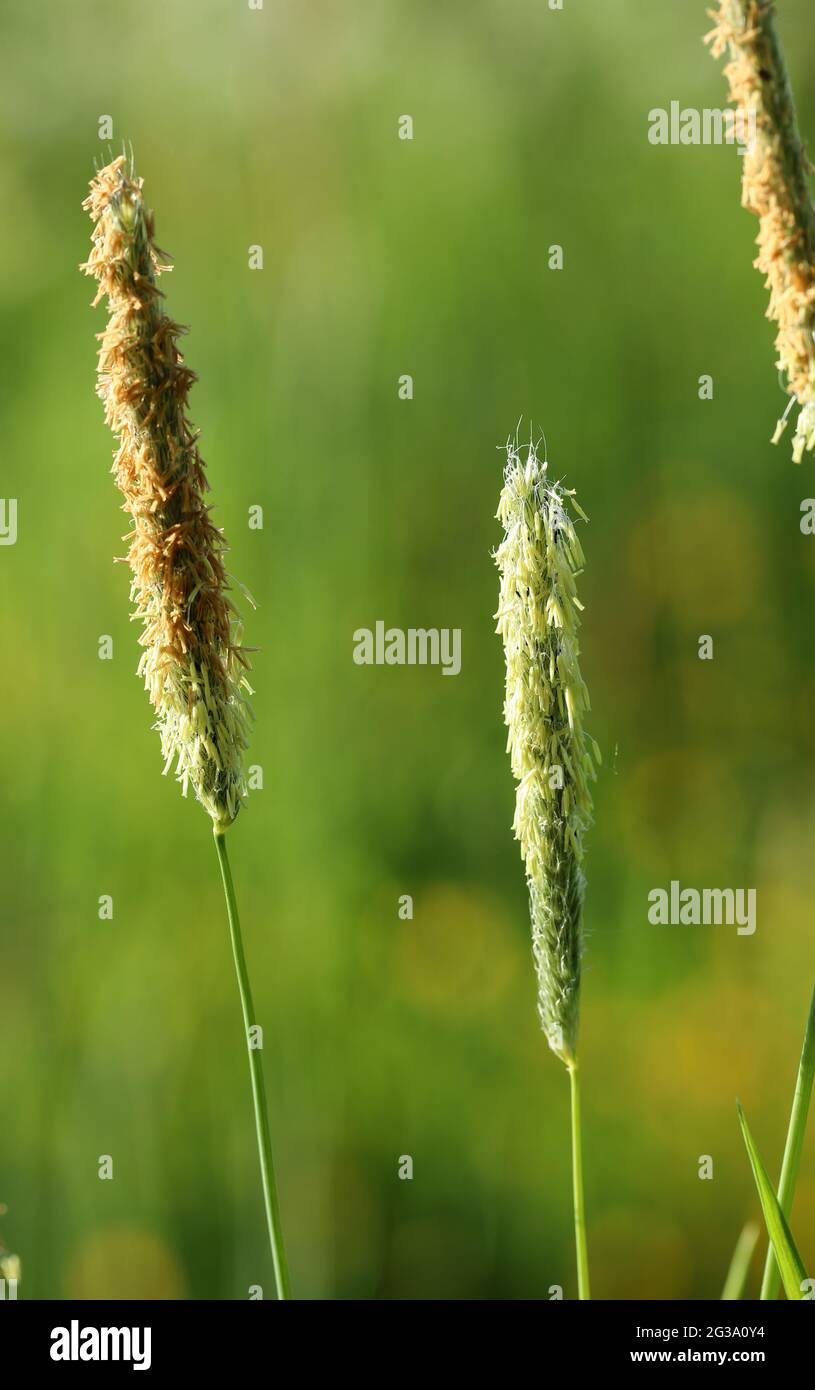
[(382, 1037)]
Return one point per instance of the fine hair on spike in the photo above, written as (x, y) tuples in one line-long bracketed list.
[(553, 759), (193, 664)]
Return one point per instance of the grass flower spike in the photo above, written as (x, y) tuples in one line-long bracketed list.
[(775, 186), (193, 666), (552, 757)]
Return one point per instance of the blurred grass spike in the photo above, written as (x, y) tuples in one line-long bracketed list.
[(776, 187), (791, 1265), (736, 1281), (193, 665), (794, 1144), (10, 1268), (553, 759)]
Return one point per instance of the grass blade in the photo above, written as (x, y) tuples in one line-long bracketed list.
[(736, 1281), (790, 1263), (771, 1282)]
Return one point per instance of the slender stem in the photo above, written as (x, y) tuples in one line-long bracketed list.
[(736, 1281), (771, 1282), (256, 1073), (577, 1188)]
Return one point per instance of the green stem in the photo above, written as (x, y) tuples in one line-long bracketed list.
[(736, 1281), (256, 1073), (771, 1282), (577, 1188)]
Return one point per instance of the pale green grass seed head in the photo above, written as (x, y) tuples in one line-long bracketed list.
[(553, 759)]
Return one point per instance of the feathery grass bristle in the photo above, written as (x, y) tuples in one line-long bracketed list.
[(193, 664)]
